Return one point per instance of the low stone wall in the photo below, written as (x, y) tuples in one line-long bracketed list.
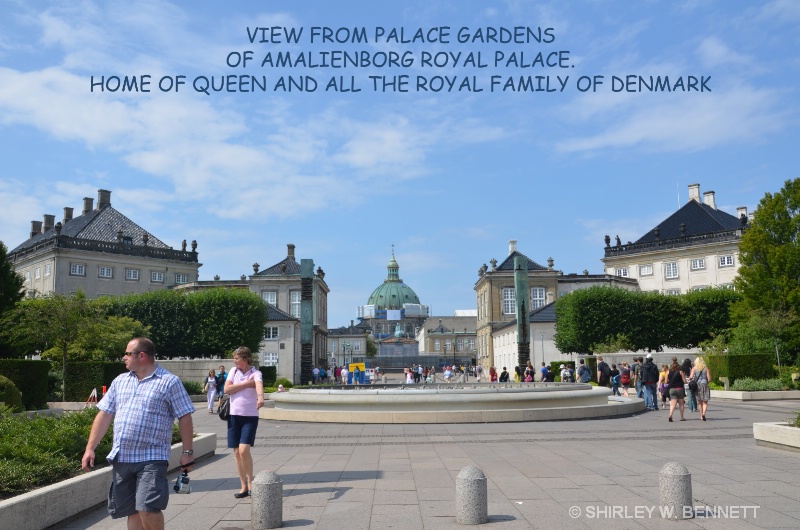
[(777, 436), (755, 396), (52, 504)]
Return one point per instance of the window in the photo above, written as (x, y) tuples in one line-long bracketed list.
[(460, 345), (726, 261), (294, 306), (270, 359), (332, 345), (27, 276), (181, 278), (673, 292), (357, 346), (537, 297), (727, 286), (698, 264), (77, 270), (37, 273), (437, 345), (509, 301), (645, 270), (671, 270), (271, 332), (623, 272), (700, 288), (105, 272), (132, 274), (270, 297), (157, 277), (47, 270)]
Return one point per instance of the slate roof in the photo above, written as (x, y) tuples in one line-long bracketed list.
[(508, 263), (697, 218), (292, 269), (276, 315), (357, 329), (449, 324), (98, 225), (546, 313)]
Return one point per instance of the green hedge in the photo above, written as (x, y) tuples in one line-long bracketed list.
[(30, 377), (754, 366), (83, 377), (269, 374)]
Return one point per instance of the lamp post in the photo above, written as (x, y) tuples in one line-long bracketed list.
[(345, 345)]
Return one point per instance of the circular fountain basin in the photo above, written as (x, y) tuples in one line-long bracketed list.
[(448, 403)]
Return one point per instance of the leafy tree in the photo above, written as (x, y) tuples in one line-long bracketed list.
[(10, 282), (103, 340), (165, 312), (372, 349)]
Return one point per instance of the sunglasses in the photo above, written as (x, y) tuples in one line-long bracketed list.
[(131, 353)]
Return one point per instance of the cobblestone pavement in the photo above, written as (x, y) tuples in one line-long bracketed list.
[(570, 474)]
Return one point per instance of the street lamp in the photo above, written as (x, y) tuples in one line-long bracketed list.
[(345, 345)]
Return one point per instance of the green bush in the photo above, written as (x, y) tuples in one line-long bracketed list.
[(754, 366), (269, 374), (31, 380), (795, 422), (9, 394), (285, 382), (747, 384), (192, 387), (83, 377)]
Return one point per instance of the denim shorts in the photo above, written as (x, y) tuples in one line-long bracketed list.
[(242, 430), (138, 487)]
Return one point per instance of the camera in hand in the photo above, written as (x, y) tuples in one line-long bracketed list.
[(182, 483)]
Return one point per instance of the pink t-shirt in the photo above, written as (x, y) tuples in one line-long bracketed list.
[(243, 402)]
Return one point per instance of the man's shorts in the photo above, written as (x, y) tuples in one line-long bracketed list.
[(138, 487)]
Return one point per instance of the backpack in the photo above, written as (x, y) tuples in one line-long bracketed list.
[(568, 377), (606, 370), (626, 377), (584, 374), (615, 379)]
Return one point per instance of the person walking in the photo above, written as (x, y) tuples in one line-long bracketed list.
[(676, 380), (210, 388), (701, 374), (221, 376), (143, 404), (649, 375), (246, 387), (691, 398)]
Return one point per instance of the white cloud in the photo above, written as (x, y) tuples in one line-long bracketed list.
[(714, 53)]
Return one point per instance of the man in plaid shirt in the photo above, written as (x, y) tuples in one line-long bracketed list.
[(143, 404)]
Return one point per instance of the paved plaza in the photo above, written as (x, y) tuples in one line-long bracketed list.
[(568, 474)]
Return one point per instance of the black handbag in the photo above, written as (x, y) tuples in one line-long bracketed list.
[(225, 410), (693, 385)]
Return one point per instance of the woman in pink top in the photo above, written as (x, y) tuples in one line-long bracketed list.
[(246, 388)]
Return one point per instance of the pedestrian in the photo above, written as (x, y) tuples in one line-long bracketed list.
[(315, 374), (357, 375), (691, 398), (543, 371), (663, 384), (701, 374), (210, 388), (222, 375), (615, 380), (625, 378), (636, 372), (649, 373), (146, 400), (517, 374), (504, 375), (584, 373), (246, 387), (676, 380), (603, 372), (345, 374), (492, 374)]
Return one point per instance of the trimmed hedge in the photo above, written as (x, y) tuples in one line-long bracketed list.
[(754, 366), (83, 377), (269, 374), (31, 379), (9, 394)]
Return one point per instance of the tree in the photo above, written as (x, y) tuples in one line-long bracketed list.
[(103, 340), (10, 282), (372, 349)]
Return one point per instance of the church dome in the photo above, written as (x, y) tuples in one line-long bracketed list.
[(393, 293)]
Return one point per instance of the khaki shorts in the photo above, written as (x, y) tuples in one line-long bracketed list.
[(138, 487), (677, 393)]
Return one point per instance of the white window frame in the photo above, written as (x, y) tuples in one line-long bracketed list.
[(156, 277), (622, 272), (728, 286), (294, 303), (27, 276), (538, 298), (271, 332), (672, 292), (646, 270), (437, 345), (697, 264), (37, 273), (77, 269), (357, 345), (132, 275), (181, 278), (270, 297), (668, 273), (270, 359), (105, 272), (47, 270), (726, 261), (700, 288), (509, 301)]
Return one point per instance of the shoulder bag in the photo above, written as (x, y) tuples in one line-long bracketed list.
[(225, 408)]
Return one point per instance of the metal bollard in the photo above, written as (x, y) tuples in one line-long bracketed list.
[(675, 491), (267, 501), (472, 496)]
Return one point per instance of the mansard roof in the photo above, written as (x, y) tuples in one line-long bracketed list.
[(546, 313), (697, 219), (98, 225), (508, 263), (357, 329), (286, 267), (276, 315)]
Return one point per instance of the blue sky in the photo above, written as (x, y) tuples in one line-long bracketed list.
[(448, 178)]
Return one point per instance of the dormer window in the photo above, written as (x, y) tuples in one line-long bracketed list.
[(127, 241)]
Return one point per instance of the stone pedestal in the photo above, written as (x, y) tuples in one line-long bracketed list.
[(472, 496), (267, 501), (675, 491)]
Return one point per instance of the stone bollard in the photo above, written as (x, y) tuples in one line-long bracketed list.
[(472, 496), (675, 490), (267, 501)]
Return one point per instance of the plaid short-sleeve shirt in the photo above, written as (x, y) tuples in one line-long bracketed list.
[(144, 412)]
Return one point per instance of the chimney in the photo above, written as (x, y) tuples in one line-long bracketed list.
[(708, 198), (103, 199), (67, 214), (740, 211), (512, 246), (88, 205), (49, 222), (694, 192), (290, 249), (36, 228)]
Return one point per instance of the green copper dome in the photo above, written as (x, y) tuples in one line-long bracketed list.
[(393, 293)]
